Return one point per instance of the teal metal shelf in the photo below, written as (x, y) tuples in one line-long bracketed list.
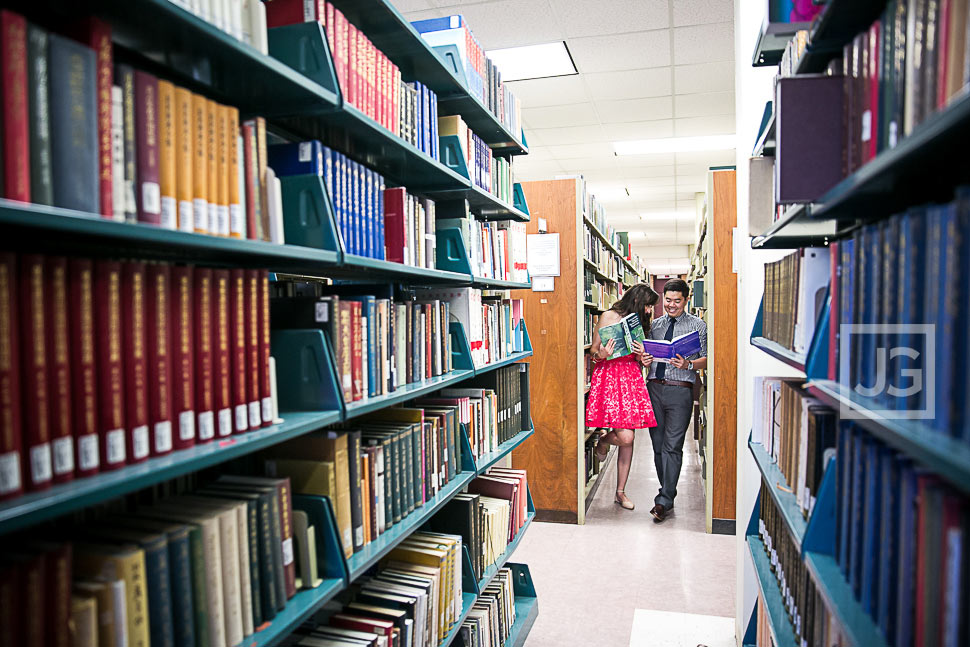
[(779, 352), (487, 460), (406, 392), (362, 268), (297, 611), (484, 204), (943, 455), (497, 284), (526, 612), (511, 359), (369, 555), (835, 590), (493, 569), (467, 601), (781, 493), (34, 507), (781, 628)]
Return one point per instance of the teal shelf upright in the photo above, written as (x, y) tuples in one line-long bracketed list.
[(485, 205), (781, 628), (308, 214), (303, 47), (306, 371), (526, 605), (781, 492), (461, 351), (518, 199), (488, 460)]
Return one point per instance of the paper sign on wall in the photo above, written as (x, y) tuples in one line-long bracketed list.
[(542, 254), (543, 284)]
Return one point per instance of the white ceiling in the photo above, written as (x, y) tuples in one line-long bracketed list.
[(647, 68)]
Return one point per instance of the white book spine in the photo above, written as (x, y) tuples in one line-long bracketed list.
[(238, 218), (117, 154), (246, 21), (258, 26)]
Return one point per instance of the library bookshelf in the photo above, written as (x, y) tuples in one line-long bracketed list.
[(295, 88)]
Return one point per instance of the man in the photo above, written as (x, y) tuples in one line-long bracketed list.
[(671, 387)]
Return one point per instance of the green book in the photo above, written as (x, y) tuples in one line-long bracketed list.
[(626, 331)]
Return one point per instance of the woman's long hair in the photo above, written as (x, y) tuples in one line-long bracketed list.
[(637, 299)]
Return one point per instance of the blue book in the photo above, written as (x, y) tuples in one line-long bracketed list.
[(382, 250), (74, 126), (871, 545), (438, 24), (435, 152), (856, 506), (931, 286), (885, 614), (300, 158), (426, 114), (889, 314), (909, 299), (355, 208), (346, 197), (843, 489), (419, 115), (369, 207), (906, 571), (950, 381), (375, 244), (873, 313)]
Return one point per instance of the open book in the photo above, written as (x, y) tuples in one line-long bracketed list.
[(664, 351), (626, 331)]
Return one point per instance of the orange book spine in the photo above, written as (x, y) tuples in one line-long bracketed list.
[(59, 370), (212, 166), (261, 158), (200, 166), (222, 168), (183, 159), (167, 169), (237, 218)]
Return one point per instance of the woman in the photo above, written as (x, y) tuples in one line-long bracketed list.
[(618, 397)]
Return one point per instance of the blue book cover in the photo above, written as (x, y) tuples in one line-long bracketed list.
[(952, 317), (869, 581), (847, 295), (180, 570), (872, 313), (891, 464), (338, 198), (843, 489), (909, 299), (382, 250), (906, 571), (355, 208), (932, 281), (860, 445), (438, 24), (426, 114), (434, 125), (889, 314), (419, 115), (348, 180), (299, 158), (369, 307), (74, 126), (371, 215)]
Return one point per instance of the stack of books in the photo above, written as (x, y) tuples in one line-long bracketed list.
[(491, 323), (493, 614), (496, 250), (112, 362)]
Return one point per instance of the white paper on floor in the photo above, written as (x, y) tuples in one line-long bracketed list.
[(669, 629)]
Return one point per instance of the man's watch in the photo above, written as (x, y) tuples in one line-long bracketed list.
[(690, 365)]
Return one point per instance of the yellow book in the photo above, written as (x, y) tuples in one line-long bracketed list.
[(200, 165), (313, 477), (120, 563), (237, 216), (84, 621), (436, 559), (166, 154), (183, 159), (222, 167), (110, 599), (212, 165)]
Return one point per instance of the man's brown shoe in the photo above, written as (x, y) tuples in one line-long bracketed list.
[(659, 512)]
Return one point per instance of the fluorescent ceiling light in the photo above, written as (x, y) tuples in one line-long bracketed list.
[(676, 145), (533, 61), (668, 215)]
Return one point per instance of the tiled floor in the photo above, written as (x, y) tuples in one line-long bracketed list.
[(592, 579)]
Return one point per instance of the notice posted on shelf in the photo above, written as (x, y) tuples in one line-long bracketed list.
[(542, 254)]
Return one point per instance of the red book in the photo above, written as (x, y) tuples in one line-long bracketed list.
[(429, 337), (350, 91), (253, 348), (135, 355), (147, 190), (96, 34), (111, 396), (286, 526), (183, 357), (340, 47), (942, 46), (237, 349), (395, 224), (924, 520), (221, 356), (158, 315), (331, 34), (356, 350), (280, 13), (362, 623), (343, 347), (13, 90), (84, 375), (33, 331), (59, 369), (204, 382), (11, 473), (265, 387)]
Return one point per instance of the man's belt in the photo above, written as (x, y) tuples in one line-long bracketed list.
[(689, 385)]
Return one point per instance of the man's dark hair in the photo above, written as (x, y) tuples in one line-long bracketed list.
[(677, 285)]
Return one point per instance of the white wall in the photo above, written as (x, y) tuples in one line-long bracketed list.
[(753, 87)]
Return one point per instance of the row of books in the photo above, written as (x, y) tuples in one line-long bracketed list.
[(484, 169), (874, 286), (111, 362), (811, 621), (378, 470), (482, 77), (488, 516), (901, 543), (489, 623), (603, 294), (413, 598), (798, 433), (491, 408), (796, 287), (496, 250), (244, 20), (209, 566), (596, 253), (111, 140), (793, 53)]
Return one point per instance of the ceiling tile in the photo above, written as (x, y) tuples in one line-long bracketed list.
[(588, 167), (561, 136), (710, 158), (579, 114), (634, 110), (640, 161), (630, 84), (702, 12), (621, 52), (407, 6), (577, 151), (704, 43), (580, 18), (557, 91), (423, 14), (702, 105), (698, 126), (623, 172), (489, 22), (704, 77), (639, 130)]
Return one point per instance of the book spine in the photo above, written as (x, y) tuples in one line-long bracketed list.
[(59, 369), (159, 358), (200, 165), (37, 450), (111, 399), (286, 528), (99, 40), (266, 386), (204, 382), (184, 160), (253, 346), (255, 578), (199, 593), (11, 477), (212, 167), (134, 348), (41, 172), (221, 353), (222, 168), (158, 588), (267, 558), (84, 386), (237, 322), (58, 594), (344, 348), (356, 337), (183, 356), (118, 153), (147, 190), (254, 202), (276, 528), (167, 156), (260, 131), (16, 156), (125, 79), (237, 217), (183, 604), (356, 506)]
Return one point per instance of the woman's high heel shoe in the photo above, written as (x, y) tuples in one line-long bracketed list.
[(622, 500)]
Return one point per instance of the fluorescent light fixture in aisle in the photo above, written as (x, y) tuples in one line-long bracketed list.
[(676, 145), (533, 61)]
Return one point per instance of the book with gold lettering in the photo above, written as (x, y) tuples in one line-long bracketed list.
[(59, 369), (108, 332), (237, 216), (212, 166), (147, 190), (11, 473), (125, 79), (222, 168), (167, 163), (253, 348), (157, 317), (127, 563), (203, 329), (84, 376), (36, 418), (15, 154), (135, 347), (266, 385), (183, 357), (200, 164), (237, 350), (184, 159), (221, 356)]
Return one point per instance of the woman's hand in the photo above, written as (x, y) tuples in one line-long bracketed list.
[(646, 359), (607, 350), (638, 348)]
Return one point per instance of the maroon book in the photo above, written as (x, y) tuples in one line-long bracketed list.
[(33, 331), (35, 612), (11, 473), (58, 560), (111, 396), (59, 369), (11, 603), (13, 91), (183, 357), (253, 348), (237, 349), (96, 34), (84, 373), (158, 313), (266, 387), (147, 190), (136, 360), (221, 355), (356, 352), (395, 225), (202, 312)]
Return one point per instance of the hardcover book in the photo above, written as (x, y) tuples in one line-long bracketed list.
[(135, 345), (59, 368), (158, 322), (147, 189), (15, 155), (11, 477), (624, 333), (38, 83)]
